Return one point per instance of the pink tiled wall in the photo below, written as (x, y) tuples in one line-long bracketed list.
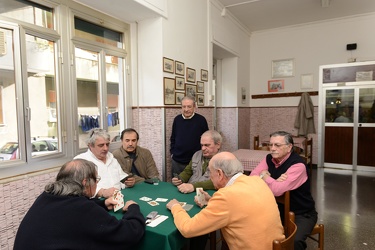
[(227, 126), (16, 197)]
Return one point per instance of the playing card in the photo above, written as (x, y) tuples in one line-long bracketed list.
[(119, 197), (161, 199), (144, 198), (182, 204), (187, 207), (153, 203)]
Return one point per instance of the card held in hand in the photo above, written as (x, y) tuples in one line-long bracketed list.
[(200, 196), (119, 197)]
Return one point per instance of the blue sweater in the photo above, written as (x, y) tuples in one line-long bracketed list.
[(186, 137)]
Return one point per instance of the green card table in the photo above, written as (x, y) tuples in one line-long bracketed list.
[(164, 236)]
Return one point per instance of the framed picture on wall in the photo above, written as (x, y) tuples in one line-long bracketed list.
[(190, 90), (190, 75), (169, 90), (179, 96), (276, 86), (168, 65), (282, 68), (200, 87), (204, 75), (200, 100), (180, 83), (179, 68)]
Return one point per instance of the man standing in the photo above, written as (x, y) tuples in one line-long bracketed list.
[(197, 173), (284, 170), (135, 159), (187, 129), (108, 168), (243, 208)]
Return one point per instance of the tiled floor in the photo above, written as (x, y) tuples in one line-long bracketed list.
[(345, 201)]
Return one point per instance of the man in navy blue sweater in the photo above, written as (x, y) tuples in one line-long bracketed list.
[(187, 129)]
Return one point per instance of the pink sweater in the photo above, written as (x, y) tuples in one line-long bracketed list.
[(246, 212)]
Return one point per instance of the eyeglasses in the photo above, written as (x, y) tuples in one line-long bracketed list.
[(98, 178), (277, 145)]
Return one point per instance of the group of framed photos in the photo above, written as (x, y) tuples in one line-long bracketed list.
[(182, 84)]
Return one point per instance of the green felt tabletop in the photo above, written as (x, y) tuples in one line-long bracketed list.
[(165, 235)]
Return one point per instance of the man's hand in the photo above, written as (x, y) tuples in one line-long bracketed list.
[(108, 192), (207, 197), (186, 188), (110, 203), (130, 182), (176, 181), (282, 177), (171, 203), (127, 204), (265, 174)]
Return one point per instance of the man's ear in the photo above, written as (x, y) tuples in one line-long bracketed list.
[(84, 182)]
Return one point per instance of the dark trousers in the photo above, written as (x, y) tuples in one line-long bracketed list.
[(305, 224), (178, 167)]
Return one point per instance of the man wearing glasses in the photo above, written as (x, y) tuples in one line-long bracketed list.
[(109, 169), (284, 170)]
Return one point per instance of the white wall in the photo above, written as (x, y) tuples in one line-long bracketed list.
[(311, 46), (230, 35)]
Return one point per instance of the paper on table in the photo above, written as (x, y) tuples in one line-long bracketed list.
[(157, 221)]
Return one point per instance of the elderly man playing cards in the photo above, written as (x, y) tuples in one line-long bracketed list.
[(243, 207), (113, 177), (197, 174), (64, 217)]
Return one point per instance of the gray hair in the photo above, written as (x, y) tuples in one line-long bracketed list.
[(287, 136), (70, 177), (95, 134), (188, 98), (214, 135), (229, 166)]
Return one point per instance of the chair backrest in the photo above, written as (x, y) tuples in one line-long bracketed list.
[(288, 242), (256, 142), (308, 148), (285, 199)]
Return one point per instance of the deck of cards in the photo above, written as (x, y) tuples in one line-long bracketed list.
[(119, 197), (200, 196)]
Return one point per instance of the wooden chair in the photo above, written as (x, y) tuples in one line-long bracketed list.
[(317, 230), (307, 154), (258, 146), (288, 242)]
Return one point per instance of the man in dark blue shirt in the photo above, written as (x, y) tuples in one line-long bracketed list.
[(187, 129)]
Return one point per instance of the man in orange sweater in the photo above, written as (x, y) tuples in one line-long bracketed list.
[(243, 208)]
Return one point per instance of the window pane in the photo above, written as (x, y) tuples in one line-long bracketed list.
[(339, 105), (114, 75), (97, 33), (88, 96), (367, 105), (28, 12), (42, 95), (8, 106)]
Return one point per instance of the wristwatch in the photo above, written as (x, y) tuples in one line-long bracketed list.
[(261, 176)]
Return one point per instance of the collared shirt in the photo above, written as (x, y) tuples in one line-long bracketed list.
[(110, 172), (234, 177), (187, 118)]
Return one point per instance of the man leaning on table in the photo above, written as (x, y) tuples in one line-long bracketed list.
[(244, 208), (108, 168), (64, 216), (135, 159), (284, 170), (197, 173)]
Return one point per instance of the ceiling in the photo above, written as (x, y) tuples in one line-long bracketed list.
[(254, 14)]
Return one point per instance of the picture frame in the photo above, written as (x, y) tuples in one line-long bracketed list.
[(307, 81), (168, 65), (179, 96), (169, 91), (200, 100), (179, 68), (204, 75), (200, 87), (276, 86), (190, 90), (283, 68), (190, 75), (180, 83)]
